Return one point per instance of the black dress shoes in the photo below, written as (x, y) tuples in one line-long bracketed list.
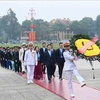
[(49, 81), (23, 72)]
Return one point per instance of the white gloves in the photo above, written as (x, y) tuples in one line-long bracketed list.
[(25, 64), (36, 63)]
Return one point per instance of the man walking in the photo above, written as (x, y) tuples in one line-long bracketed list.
[(21, 56), (42, 51), (30, 61), (49, 61), (54, 52), (70, 68), (60, 59)]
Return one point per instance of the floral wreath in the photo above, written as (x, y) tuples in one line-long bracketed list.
[(86, 48), (92, 53)]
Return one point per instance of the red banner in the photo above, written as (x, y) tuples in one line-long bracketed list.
[(32, 36), (33, 26)]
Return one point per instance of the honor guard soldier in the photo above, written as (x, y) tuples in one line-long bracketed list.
[(70, 68)]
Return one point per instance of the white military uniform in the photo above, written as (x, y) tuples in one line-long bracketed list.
[(70, 68), (30, 61), (21, 52)]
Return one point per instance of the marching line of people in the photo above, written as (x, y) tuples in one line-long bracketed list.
[(37, 61)]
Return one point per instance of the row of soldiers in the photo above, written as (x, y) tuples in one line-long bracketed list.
[(13, 58)]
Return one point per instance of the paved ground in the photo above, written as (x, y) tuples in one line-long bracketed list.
[(14, 87)]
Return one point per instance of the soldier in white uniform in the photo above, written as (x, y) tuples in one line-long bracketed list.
[(70, 68), (30, 61), (21, 57)]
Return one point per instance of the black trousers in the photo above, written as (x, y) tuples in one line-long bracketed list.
[(60, 68), (20, 68), (44, 68), (16, 66), (49, 71), (3, 64), (53, 69)]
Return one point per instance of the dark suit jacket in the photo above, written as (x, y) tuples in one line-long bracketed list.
[(1, 54), (50, 60), (9, 56), (5, 56), (58, 56), (16, 55), (42, 53)]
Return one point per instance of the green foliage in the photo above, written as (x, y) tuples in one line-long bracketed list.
[(84, 26), (98, 25), (58, 26), (26, 25), (11, 29), (42, 28), (10, 26), (55, 45), (75, 27)]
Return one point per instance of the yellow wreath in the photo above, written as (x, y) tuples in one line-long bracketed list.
[(92, 50)]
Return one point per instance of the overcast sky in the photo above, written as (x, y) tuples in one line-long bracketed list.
[(48, 10)]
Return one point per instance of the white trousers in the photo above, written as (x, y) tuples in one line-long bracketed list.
[(30, 72), (23, 67), (69, 75)]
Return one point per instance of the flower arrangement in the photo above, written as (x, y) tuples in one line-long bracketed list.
[(92, 52)]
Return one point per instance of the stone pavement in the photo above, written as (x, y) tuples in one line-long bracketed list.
[(14, 87)]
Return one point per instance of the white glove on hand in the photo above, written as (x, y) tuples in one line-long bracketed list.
[(36, 63), (25, 64)]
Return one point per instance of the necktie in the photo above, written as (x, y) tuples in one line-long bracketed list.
[(43, 49), (50, 53), (61, 53)]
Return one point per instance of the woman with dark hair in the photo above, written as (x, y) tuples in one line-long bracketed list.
[(38, 74)]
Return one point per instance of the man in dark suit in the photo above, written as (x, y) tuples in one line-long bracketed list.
[(54, 67), (42, 52), (16, 59), (3, 64), (9, 56), (50, 61), (60, 59), (1, 56)]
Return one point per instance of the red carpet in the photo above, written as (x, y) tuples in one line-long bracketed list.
[(60, 88)]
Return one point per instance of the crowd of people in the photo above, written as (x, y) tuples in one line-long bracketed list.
[(37, 61)]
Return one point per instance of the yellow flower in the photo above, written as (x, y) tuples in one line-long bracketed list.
[(92, 50)]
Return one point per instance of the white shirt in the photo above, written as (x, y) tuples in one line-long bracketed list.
[(30, 57), (43, 49), (21, 52), (49, 52)]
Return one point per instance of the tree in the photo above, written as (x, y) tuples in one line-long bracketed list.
[(9, 24), (58, 26), (75, 26), (42, 28), (84, 26), (87, 24), (26, 25), (98, 25)]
